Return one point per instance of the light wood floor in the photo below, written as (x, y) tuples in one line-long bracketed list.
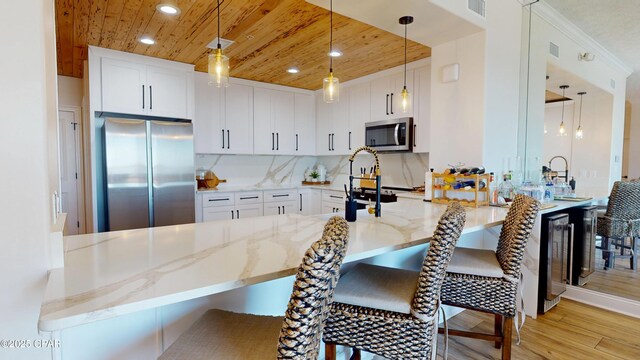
[(571, 331), (619, 281)]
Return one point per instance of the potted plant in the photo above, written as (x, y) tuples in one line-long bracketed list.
[(315, 177)]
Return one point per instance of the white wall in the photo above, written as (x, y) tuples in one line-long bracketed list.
[(70, 91), (555, 145), (27, 99), (457, 108), (634, 142)]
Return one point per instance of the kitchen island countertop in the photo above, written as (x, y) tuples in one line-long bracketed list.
[(121, 272)]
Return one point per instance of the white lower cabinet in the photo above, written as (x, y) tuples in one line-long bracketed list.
[(249, 210), (281, 208), (215, 213), (310, 201), (213, 206), (332, 201)]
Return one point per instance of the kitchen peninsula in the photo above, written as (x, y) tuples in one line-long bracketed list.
[(108, 275)]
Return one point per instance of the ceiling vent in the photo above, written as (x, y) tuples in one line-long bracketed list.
[(477, 6), (224, 43), (554, 50)]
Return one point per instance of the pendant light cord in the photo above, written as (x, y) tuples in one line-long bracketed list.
[(580, 123), (331, 36), (219, 46), (563, 101), (405, 56)]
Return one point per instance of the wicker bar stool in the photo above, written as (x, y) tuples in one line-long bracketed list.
[(619, 227), (488, 281), (224, 335), (394, 312)]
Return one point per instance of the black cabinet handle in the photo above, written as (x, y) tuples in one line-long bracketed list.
[(391, 102), (278, 210), (273, 142), (414, 135), (280, 195), (333, 142), (150, 97), (223, 138), (228, 139), (143, 96), (335, 197), (296, 142), (248, 197), (221, 199), (387, 104), (283, 212), (232, 217), (300, 202), (329, 142), (238, 212), (349, 140), (277, 141)]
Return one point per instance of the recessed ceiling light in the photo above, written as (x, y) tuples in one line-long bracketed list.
[(147, 40), (335, 53), (293, 70), (168, 9)]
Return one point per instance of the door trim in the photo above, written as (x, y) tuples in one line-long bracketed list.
[(80, 160)]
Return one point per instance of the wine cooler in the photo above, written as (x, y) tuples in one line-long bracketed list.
[(554, 258), (582, 259)]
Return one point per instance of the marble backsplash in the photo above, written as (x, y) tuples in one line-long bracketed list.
[(401, 169)]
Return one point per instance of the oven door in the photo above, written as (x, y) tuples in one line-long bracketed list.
[(389, 135)]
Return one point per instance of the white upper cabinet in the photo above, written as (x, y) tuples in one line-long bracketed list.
[(124, 87), (359, 114), (332, 125), (422, 110), (238, 119), (223, 122), (131, 86), (386, 101), (274, 131), (305, 124), (168, 92)]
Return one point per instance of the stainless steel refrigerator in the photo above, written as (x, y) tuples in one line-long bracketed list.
[(149, 173)]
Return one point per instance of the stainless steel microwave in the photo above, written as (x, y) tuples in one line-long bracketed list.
[(389, 135)]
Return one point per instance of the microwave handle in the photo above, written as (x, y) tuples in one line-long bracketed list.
[(396, 133)]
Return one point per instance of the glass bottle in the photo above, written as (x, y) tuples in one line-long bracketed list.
[(506, 190)]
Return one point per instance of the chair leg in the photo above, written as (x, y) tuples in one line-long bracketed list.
[(506, 338), (498, 329), (355, 354), (330, 351), (633, 260)]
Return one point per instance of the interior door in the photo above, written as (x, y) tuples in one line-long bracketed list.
[(69, 170), (167, 92), (173, 173), (123, 87)]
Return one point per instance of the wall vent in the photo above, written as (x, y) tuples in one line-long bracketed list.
[(477, 6), (613, 84), (554, 50)]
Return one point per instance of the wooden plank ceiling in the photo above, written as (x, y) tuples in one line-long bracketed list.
[(270, 36)]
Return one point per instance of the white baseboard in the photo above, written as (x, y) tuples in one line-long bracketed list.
[(604, 301)]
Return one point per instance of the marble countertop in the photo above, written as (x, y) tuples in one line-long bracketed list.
[(116, 273), (233, 188)]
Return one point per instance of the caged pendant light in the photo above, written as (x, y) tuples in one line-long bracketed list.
[(331, 84), (404, 95), (562, 131), (579, 131), (218, 65)]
